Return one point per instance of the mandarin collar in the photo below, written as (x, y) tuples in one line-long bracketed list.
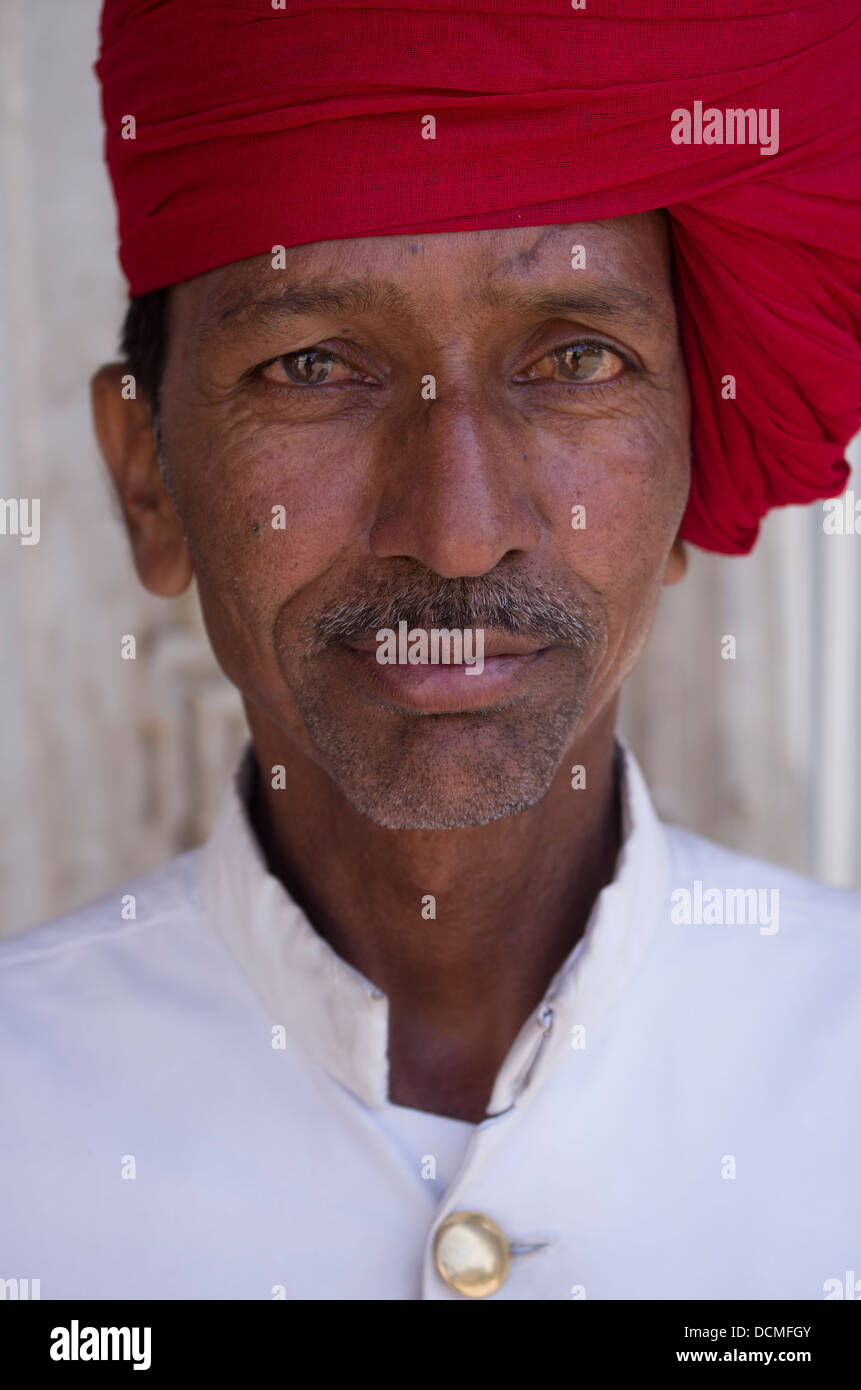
[(339, 1019)]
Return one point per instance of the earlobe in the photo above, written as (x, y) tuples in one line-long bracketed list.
[(677, 563), (123, 423)]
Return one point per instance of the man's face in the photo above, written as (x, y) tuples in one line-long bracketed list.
[(443, 504)]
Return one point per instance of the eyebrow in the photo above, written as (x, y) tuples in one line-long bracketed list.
[(296, 301), (610, 301)]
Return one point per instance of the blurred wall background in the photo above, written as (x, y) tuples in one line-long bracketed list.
[(111, 766)]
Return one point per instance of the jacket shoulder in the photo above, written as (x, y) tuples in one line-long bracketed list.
[(166, 895), (804, 902)]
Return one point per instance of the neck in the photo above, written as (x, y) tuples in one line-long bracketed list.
[(511, 899)]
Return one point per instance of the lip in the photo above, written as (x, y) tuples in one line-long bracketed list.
[(441, 689)]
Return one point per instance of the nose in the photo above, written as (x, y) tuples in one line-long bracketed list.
[(455, 494)]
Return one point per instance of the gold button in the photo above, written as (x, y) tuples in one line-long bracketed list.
[(472, 1254)]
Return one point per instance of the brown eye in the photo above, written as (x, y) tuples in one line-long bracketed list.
[(307, 367), (586, 363)]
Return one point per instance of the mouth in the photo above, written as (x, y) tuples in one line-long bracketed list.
[(456, 688)]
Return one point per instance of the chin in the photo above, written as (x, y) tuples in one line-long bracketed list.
[(436, 813), (438, 797), (446, 774)]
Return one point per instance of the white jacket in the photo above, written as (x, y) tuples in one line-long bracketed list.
[(193, 1102)]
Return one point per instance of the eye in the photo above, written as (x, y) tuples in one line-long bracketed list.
[(307, 367), (581, 363)]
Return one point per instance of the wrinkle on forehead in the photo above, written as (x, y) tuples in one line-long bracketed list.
[(216, 294), (527, 256)]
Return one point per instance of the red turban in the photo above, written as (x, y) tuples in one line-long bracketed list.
[(278, 122)]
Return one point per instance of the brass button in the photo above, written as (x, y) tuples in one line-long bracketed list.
[(472, 1253)]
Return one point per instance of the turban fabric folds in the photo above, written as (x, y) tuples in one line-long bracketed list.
[(259, 123)]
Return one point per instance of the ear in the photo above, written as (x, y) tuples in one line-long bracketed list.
[(677, 563), (125, 433)]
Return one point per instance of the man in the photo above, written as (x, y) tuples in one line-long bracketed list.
[(441, 1010)]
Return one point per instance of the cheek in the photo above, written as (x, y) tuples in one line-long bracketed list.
[(265, 515), (276, 502), (630, 477)]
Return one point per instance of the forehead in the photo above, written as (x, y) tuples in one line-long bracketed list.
[(621, 270)]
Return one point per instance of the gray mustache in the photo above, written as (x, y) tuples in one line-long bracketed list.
[(483, 601)]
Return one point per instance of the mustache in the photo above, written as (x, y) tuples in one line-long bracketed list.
[(500, 602)]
